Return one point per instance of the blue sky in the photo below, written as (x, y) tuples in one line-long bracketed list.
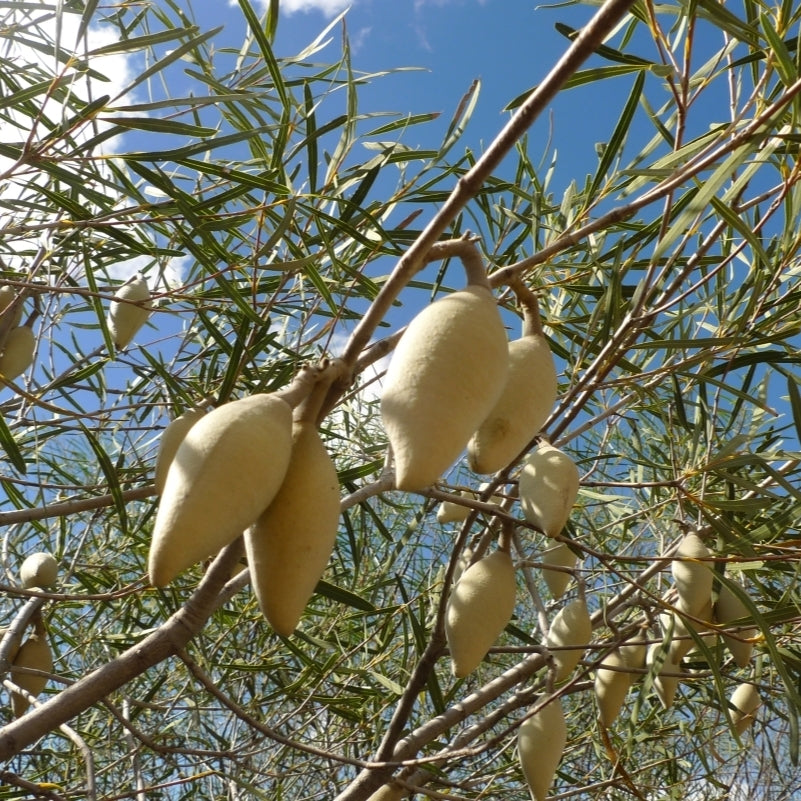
[(508, 44)]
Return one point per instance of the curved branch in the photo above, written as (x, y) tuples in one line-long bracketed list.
[(166, 641)]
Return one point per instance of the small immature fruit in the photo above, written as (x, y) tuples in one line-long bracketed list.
[(480, 606), (125, 319), (665, 685), (743, 705), (224, 474), (541, 741), (693, 579), (728, 608), (559, 555), (612, 682), (17, 355), (571, 627), (682, 629), (291, 542), (518, 415), (548, 486), (38, 570), (446, 374), (614, 677), (389, 792), (7, 297), (34, 653), (172, 436), (450, 512)]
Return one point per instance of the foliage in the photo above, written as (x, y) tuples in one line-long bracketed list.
[(670, 283)]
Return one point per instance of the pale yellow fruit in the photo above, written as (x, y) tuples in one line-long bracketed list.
[(7, 297), (693, 580), (559, 555), (446, 374), (34, 653), (548, 486), (125, 319), (728, 608), (450, 512), (633, 652), (290, 544), (38, 570), (388, 792), (657, 659), (172, 436), (496, 498), (614, 677), (480, 606), (743, 705), (570, 628), (681, 629), (521, 410), (224, 474), (17, 355), (541, 741), (612, 682)]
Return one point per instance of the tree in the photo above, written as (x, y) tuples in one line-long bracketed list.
[(668, 282)]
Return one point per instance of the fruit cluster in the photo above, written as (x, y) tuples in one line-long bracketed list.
[(456, 384)]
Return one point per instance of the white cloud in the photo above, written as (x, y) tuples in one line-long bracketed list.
[(329, 8)]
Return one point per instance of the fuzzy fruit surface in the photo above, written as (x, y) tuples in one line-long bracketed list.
[(290, 544), (549, 483), (7, 297), (450, 512), (479, 608), (38, 570), (125, 319), (571, 627), (171, 438), (729, 607), (523, 407), (225, 472), (17, 354), (658, 660), (612, 682), (541, 741), (559, 555), (446, 374), (693, 580), (34, 653), (744, 703)]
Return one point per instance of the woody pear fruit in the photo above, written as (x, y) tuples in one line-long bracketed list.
[(7, 297), (665, 684), (743, 705), (524, 405), (446, 374), (124, 317), (559, 555), (614, 677), (17, 355), (548, 486), (225, 472), (389, 792), (34, 654), (730, 607), (479, 608), (451, 512), (38, 570), (541, 741), (693, 579), (571, 627), (172, 436), (291, 542)]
